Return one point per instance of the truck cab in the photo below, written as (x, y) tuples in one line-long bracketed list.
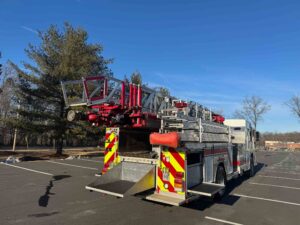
[(243, 138)]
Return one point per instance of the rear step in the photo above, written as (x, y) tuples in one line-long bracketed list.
[(165, 199), (127, 178), (206, 189)]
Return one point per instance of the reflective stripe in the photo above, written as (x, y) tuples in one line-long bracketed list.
[(178, 167), (209, 152), (236, 163), (162, 183), (109, 142), (111, 156), (171, 171)]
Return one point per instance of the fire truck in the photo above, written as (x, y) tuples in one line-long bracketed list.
[(173, 150)]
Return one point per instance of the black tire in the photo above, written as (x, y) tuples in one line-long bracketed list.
[(221, 179), (252, 168)]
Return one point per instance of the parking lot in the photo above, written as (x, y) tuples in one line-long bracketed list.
[(53, 192)]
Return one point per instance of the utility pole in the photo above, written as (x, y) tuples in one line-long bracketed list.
[(0, 71), (16, 131), (0, 64)]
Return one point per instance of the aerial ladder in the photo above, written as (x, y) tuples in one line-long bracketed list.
[(179, 149)]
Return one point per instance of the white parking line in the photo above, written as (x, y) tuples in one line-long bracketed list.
[(276, 171), (66, 164), (272, 185), (222, 221), (285, 178), (23, 168), (266, 199), (90, 160)]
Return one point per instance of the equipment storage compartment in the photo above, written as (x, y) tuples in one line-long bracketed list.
[(127, 178), (195, 184), (194, 169)]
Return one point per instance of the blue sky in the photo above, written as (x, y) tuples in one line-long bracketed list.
[(214, 52)]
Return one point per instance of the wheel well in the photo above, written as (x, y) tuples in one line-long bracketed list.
[(222, 165)]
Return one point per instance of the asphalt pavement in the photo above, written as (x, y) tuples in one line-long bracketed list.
[(53, 192)]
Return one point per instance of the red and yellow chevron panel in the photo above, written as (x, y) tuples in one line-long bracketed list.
[(111, 156), (171, 171)]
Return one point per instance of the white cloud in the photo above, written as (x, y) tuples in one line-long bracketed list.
[(29, 29)]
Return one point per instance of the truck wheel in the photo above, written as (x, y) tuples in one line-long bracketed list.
[(221, 179), (252, 168)]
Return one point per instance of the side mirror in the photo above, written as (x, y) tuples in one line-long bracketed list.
[(257, 136)]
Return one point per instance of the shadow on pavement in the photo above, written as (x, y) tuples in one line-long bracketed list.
[(31, 158), (205, 202), (38, 215), (44, 199)]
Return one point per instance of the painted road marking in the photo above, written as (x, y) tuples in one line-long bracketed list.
[(276, 171), (266, 199), (23, 168), (90, 160), (222, 221), (285, 178), (272, 185), (66, 164)]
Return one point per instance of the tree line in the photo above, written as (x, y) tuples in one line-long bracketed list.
[(284, 137), (31, 99)]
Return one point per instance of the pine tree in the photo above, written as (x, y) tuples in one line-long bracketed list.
[(136, 78), (62, 55)]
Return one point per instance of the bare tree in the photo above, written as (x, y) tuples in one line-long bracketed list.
[(253, 109), (294, 105), (288, 136), (7, 102)]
